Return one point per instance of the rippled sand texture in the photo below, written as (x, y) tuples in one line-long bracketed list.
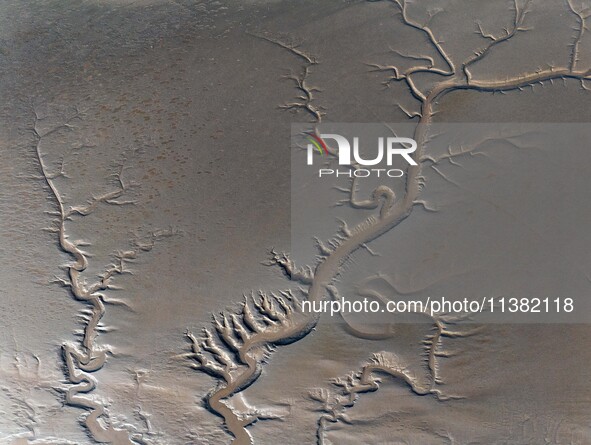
[(148, 294)]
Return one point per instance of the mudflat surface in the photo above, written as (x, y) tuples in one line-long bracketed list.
[(148, 294)]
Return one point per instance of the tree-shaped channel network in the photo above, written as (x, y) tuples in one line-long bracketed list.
[(235, 348), (85, 357)]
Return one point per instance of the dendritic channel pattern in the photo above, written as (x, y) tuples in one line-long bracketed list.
[(85, 357), (235, 353)]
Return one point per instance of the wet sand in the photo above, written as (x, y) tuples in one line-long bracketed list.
[(153, 266)]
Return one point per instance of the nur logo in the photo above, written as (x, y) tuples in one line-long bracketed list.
[(393, 146)]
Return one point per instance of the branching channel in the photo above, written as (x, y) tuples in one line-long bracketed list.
[(85, 357), (243, 339)]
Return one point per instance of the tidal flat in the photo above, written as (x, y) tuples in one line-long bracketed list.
[(161, 231)]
